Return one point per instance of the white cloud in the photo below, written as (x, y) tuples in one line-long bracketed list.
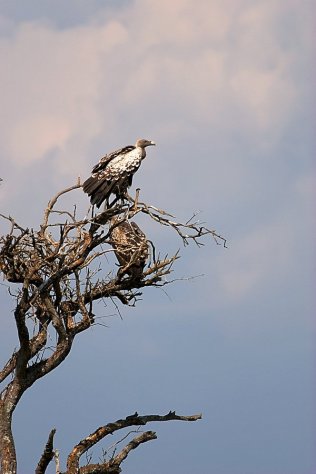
[(51, 85), (267, 97), (31, 139), (178, 63)]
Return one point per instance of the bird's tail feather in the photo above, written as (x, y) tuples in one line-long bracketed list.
[(90, 185), (98, 190)]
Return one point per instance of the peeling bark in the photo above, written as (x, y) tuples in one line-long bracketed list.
[(7, 448)]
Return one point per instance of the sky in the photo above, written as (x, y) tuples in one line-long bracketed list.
[(226, 90)]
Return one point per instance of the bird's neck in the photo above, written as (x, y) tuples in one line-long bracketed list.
[(141, 150)]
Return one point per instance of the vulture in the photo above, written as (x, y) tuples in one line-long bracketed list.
[(130, 246), (114, 173)]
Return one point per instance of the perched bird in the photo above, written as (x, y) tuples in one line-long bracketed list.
[(130, 246), (114, 173)]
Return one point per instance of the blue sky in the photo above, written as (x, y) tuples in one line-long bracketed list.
[(226, 90)]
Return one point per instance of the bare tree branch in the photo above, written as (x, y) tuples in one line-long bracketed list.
[(36, 344), (47, 455), (133, 444), (110, 428), (23, 354), (53, 201), (113, 466)]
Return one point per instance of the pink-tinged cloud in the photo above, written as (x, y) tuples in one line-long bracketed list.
[(32, 139), (181, 64), (51, 86)]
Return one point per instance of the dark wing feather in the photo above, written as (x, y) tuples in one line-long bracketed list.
[(98, 189)]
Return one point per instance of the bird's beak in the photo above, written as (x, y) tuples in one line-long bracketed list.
[(152, 143)]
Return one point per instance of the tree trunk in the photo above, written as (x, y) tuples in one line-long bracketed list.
[(7, 448)]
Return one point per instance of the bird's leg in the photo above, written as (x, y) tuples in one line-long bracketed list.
[(113, 202), (136, 199), (132, 206), (94, 225), (86, 216), (129, 198)]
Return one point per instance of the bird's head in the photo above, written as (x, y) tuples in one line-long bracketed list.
[(142, 143)]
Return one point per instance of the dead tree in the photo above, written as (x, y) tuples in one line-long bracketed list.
[(58, 272)]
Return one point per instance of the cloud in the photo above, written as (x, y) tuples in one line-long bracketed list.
[(51, 85), (180, 66), (260, 257), (276, 252), (32, 139)]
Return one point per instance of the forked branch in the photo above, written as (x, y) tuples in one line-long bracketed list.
[(113, 464)]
